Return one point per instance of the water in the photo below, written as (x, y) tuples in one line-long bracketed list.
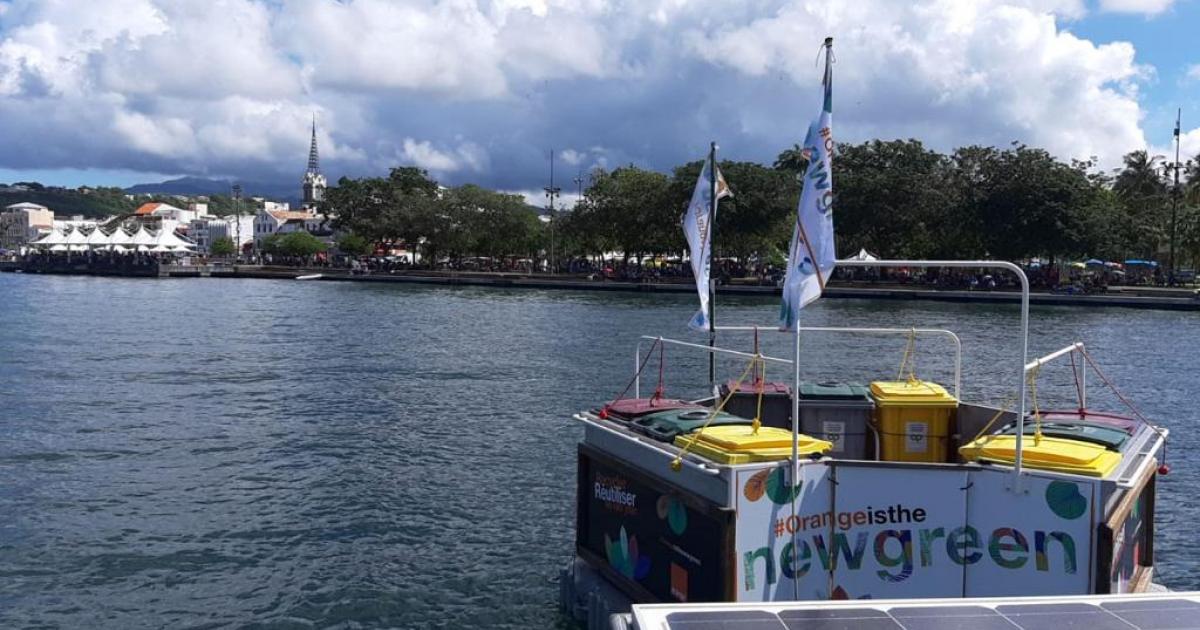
[(272, 454)]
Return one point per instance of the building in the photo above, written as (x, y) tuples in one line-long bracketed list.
[(22, 223), (206, 230), (313, 184), (167, 211)]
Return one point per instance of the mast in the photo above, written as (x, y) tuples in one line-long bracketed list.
[(712, 281)]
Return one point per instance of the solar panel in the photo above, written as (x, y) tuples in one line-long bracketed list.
[(1162, 614), (1173, 611), (725, 620), (952, 618), (1065, 616), (839, 619)]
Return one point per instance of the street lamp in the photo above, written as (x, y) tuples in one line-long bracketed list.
[(237, 218), (551, 194)]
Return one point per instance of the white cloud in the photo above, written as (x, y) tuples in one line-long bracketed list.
[(479, 89), (1192, 72), (467, 156), (1144, 7)]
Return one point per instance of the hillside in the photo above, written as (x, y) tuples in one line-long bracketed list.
[(209, 187), (98, 202)]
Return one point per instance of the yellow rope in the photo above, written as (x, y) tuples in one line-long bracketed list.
[(1037, 414), (1003, 409), (677, 464), (762, 381)]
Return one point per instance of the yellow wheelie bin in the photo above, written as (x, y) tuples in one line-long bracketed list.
[(914, 419)]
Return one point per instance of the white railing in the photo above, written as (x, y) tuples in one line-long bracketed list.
[(959, 264)]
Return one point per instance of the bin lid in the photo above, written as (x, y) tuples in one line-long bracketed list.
[(1072, 456), (914, 392), (834, 390), (1109, 437), (742, 438), (751, 387)]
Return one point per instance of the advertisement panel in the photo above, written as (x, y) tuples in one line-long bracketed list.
[(1132, 535), (1036, 541), (768, 564), (771, 564), (892, 536), (657, 539)]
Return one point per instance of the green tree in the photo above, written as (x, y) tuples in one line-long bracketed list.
[(222, 247), (354, 245), (296, 244)]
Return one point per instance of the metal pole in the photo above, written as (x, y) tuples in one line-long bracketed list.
[(1174, 201), (551, 193), (993, 264), (796, 436), (712, 282)]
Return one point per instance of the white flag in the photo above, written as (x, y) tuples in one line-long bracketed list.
[(699, 237), (811, 258)]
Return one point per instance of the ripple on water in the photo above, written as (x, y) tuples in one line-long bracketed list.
[(289, 455)]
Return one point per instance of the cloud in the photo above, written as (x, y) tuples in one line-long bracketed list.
[(467, 156), (479, 90), (1192, 72), (1144, 7)]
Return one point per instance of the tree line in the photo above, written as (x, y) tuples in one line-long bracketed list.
[(897, 199)]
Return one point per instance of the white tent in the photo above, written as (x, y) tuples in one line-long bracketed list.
[(98, 239), (120, 237), (142, 237), (172, 241), (863, 255), (161, 249), (75, 237), (120, 248), (55, 237)]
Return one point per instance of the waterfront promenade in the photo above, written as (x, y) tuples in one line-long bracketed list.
[(1126, 297)]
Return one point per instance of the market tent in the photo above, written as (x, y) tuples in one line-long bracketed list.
[(863, 255), (75, 237), (172, 241), (98, 239), (142, 237), (1095, 262), (1140, 263), (55, 237), (1078, 265)]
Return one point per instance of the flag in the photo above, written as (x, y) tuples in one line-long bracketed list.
[(699, 236), (811, 257)]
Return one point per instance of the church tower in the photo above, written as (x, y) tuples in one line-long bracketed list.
[(314, 182)]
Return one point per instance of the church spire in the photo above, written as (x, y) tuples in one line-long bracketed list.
[(313, 184), (314, 163)]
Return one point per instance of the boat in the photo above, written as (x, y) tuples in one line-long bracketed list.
[(897, 490), (731, 510), (311, 276)]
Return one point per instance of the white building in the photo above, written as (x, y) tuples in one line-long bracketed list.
[(21, 223), (167, 211), (207, 230)]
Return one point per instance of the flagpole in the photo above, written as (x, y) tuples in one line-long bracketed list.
[(796, 356), (712, 281)]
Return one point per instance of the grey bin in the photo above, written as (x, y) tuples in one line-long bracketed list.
[(776, 402), (839, 413)]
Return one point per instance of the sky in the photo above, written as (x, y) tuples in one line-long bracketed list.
[(117, 92)]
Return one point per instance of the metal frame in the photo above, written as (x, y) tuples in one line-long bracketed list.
[(1075, 347), (1018, 464)]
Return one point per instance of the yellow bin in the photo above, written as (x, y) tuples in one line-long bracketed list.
[(1060, 454), (915, 420), (738, 444)]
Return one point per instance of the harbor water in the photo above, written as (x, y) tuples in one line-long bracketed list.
[(201, 453)]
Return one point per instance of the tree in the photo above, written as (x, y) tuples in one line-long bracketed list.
[(354, 245), (222, 247), (296, 244)]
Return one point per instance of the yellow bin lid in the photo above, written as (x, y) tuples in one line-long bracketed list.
[(1060, 454), (741, 438), (915, 392)]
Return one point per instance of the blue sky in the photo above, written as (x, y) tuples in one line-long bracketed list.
[(1167, 42), (119, 92)]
